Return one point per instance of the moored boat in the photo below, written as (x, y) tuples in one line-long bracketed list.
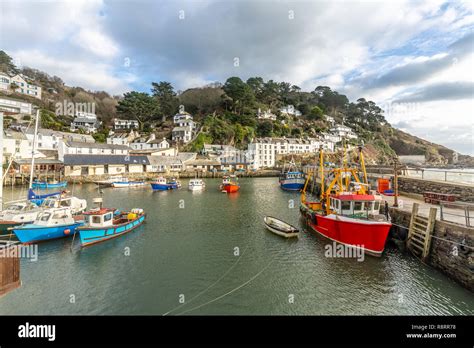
[(196, 185), (102, 224), (280, 227), (292, 179), (18, 213), (162, 184), (50, 224), (229, 184), (347, 211), (124, 182), (43, 185)]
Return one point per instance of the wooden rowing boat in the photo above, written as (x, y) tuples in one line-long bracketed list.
[(280, 227)]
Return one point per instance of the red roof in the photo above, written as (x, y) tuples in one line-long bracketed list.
[(354, 197), (101, 211)]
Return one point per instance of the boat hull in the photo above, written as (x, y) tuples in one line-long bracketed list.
[(196, 188), (127, 184), (229, 188), (163, 187), (370, 237), (291, 185), (31, 233), (94, 235), (45, 185)]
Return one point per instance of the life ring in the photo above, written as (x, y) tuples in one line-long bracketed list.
[(67, 231)]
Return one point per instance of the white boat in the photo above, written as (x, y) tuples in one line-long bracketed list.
[(124, 182), (17, 214), (196, 184), (109, 182), (77, 205), (280, 227)]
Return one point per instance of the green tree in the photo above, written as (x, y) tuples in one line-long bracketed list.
[(241, 93), (265, 129), (6, 64), (166, 96), (316, 114), (138, 106)]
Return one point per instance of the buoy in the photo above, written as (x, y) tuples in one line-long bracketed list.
[(67, 231)]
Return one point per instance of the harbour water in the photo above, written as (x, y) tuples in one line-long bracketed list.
[(211, 250)]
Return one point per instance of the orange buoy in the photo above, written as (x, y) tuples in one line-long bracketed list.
[(67, 231)]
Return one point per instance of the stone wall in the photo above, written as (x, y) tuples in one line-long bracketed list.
[(448, 252), (418, 186)]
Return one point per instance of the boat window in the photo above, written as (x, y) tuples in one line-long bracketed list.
[(358, 206), (14, 207), (376, 206), (65, 203), (107, 217), (45, 216), (346, 205), (96, 219)]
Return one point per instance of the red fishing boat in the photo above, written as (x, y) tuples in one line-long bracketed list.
[(347, 211), (229, 184)]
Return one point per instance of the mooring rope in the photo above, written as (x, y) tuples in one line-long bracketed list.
[(210, 286)]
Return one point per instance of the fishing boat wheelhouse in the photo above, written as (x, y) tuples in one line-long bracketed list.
[(162, 184), (291, 179), (347, 211), (196, 185)]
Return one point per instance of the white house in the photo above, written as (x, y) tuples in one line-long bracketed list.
[(15, 144), (13, 106), (122, 138), (261, 153), (266, 115), (149, 143), (86, 121), (48, 139), (290, 110), (184, 128), (81, 148), (330, 119), (120, 124), (343, 131), (23, 85)]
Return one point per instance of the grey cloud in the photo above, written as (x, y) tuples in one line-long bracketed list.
[(439, 91), (419, 71)]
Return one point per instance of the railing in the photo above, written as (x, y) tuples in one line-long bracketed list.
[(463, 210), (442, 174)]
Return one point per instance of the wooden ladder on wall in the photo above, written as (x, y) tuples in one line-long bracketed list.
[(421, 229)]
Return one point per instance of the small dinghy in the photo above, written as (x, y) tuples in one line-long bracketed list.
[(280, 227)]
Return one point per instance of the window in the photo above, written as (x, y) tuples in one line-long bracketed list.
[(108, 217), (346, 205), (376, 206), (45, 216), (358, 206), (96, 219)]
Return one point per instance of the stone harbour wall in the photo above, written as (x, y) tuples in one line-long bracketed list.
[(465, 192), (451, 248)]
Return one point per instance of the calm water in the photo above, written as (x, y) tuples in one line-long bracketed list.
[(187, 248)]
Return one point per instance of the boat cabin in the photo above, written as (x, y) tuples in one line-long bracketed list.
[(53, 217), (20, 207), (99, 217), (292, 175), (161, 180), (355, 205), (229, 179)]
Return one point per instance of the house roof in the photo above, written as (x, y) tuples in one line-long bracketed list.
[(164, 160), (65, 135), (104, 159), (37, 161), (96, 145), (14, 134), (187, 156), (203, 162)]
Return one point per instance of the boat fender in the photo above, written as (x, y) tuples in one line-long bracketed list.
[(67, 231)]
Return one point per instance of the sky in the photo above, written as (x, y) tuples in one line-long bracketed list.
[(413, 58)]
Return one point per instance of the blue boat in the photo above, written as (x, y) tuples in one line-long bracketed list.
[(43, 185), (39, 199), (292, 179), (102, 224), (50, 224), (161, 184)]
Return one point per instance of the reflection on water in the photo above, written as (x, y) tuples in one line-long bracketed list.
[(192, 239)]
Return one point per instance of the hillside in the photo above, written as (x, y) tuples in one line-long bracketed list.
[(227, 112)]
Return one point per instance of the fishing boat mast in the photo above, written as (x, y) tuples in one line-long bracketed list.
[(34, 149)]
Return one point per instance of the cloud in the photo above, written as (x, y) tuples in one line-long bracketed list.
[(440, 91)]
